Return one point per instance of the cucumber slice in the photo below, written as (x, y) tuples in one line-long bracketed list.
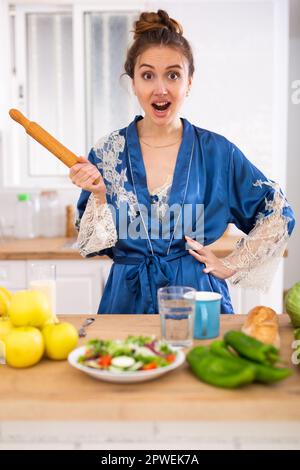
[(136, 366), (115, 369), (144, 351), (123, 362), (93, 364)]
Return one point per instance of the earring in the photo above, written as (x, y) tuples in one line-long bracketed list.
[(187, 93)]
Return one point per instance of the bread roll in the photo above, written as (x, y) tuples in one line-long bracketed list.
[(262, 324)]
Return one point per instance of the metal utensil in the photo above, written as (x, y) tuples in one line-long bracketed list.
[(87, 322)]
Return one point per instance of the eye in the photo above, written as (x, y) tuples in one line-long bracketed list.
[(174, 75), (147, 75)]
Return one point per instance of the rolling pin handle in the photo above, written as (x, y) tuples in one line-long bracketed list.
[(17, 116), (97, 180), (46, 139)]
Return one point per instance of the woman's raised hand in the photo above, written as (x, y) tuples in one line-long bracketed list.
[(213, 264), (83, 174)]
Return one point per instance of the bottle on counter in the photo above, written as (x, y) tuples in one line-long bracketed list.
[(71, 231), (49, 214), (24, 217)]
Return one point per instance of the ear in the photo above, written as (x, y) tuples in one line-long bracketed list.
[(133, 87)]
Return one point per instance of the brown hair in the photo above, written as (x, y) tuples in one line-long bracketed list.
[(157, 28)]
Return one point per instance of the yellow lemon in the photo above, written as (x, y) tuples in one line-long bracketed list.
[(5, 327), (24, 346), (5, 299), (29, 308), (7, 292), (53, 319), (60, 339), (2, 352)]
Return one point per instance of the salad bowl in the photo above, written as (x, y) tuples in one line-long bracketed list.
[(136, 359)]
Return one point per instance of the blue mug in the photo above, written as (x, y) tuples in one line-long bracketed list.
[(207, 315)]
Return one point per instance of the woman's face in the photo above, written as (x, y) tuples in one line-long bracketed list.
[(161, 78)]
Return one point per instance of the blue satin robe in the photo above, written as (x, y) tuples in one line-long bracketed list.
[(209, 170)]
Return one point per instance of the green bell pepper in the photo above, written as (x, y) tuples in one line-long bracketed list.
[(218, 371), (263, 373), (251, 348), (297, 333)]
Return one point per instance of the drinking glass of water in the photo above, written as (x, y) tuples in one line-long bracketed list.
[(177, 311), (42, 277)]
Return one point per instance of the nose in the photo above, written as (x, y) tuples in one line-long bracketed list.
[(160, 88)]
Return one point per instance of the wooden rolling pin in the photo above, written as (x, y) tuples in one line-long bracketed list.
[(46, 140)]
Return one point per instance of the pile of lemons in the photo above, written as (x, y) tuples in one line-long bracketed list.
[(29, 330)]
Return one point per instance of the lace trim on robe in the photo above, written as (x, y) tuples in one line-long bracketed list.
[(257, 255), (162, 194), (97, 230), (107, 150)]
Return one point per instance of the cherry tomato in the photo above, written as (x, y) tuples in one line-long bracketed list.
[(171, 357), (105, 361), (149, 366)]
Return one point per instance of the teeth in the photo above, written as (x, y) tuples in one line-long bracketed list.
[(161, 103)]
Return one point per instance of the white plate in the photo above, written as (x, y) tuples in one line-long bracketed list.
[(124, 377)]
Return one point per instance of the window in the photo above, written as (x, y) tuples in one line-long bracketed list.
[(66, 74), (108, 101), (50, 88)]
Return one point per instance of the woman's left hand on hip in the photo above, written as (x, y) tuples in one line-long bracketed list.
[(213, 264)]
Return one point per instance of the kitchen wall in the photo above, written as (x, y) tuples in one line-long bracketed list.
[(292, 263), (8, 200)]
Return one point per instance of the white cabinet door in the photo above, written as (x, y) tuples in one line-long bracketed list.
[(79, 286), (13, 275)]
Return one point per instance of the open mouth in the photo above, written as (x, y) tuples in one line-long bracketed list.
[(161, 106)]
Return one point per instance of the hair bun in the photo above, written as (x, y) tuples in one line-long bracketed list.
[(150, 20)]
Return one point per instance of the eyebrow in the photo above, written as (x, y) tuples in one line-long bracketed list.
[(169, 67)]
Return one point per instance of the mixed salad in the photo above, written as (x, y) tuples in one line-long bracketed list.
[(135, 353)]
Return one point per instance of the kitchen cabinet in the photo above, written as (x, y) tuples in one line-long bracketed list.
[(13, 275), (79, 286)]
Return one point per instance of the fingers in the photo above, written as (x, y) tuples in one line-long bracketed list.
[(84, 173), (207, 270), (194, 244), (201, 253), (78, 166), (83, 160), (202, 259), (197, 256)]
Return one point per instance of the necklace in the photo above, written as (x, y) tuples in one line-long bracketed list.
[(160, 146)]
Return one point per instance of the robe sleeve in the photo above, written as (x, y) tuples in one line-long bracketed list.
[(258, 207), (96, 228)]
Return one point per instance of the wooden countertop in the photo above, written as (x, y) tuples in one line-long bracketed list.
[(61, 248), (56, 391), (39, 248)]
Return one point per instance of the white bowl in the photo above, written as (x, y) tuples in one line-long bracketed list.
[(124, 377)]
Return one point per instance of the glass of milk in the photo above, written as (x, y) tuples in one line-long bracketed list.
[(42, 277)]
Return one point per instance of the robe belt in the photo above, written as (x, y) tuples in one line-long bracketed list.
[(148, 274)]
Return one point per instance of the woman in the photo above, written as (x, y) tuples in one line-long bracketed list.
[(175, 180)]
